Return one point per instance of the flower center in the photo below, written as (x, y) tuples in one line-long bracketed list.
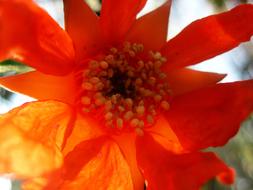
[(126, 87)]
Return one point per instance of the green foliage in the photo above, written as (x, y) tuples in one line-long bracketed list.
[(10, 66), (7, 68)]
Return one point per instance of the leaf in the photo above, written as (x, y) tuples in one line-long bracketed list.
[(10, 67)]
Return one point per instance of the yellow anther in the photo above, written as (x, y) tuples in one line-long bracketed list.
[(114, 50), (93, 64), (150, 119), (119, 123), (142, 82), (165, 105), (99, 86), (121, 108), (98, 95), (94, 80), (141, 103), (163, 59), (86, 72), (152, 80), (103, 73), (87, 86), (140, 110), (128, 115), (157, 98), (131, 53), (157, 64), (134, 122), (139, 131), (138, 81), (108, 116), (162, 76), (147, 92), (151, 110), (114, 99), (144, 75), (129, 102), (86, 100), (141, 124), (130, 73), (140, 47), (109, 58), (108, 105), (157, 55), (127, 46), (99, 101), (140, 64), (103, 64)]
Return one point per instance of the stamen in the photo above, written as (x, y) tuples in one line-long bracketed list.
[(128, 87)]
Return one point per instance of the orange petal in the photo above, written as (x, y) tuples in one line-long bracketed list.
[(126, 143), (209, 37), (82, 25), (42, 86), (117, 17), (83, 129), (211, 116), (164, 135), (30, 36), (95, 164), (151, 29), (185, 80), (30, 138), (165, 170)]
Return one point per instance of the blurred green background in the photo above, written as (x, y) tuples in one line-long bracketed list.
[(238, 153)]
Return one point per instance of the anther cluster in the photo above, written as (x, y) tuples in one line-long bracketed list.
[(127, 86)]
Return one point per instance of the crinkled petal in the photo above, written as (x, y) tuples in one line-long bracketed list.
[(82, 25), (42, 86), (94, 164), (29, 35), (164, 135), (151, 29), (30, 138), (185, 80), (126, 143), (84, 128), (211, 116), (209, 37), (165, 170), (117, 17)]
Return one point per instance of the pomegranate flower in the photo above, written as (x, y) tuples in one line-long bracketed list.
[(116, 104)]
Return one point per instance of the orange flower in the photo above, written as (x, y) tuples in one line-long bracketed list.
[(116, 105)]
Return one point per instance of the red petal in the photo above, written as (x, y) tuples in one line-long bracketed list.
[(95, 164), (117, 17), (211, 116), (163, 134), (210, 36), (83, 129), (126, 143), (82, 25), (185, 80), (42, 86), (30, 138), (151, 29), (165, 170), (30, 36)]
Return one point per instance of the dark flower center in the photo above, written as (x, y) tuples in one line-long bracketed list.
[(127, 86)]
